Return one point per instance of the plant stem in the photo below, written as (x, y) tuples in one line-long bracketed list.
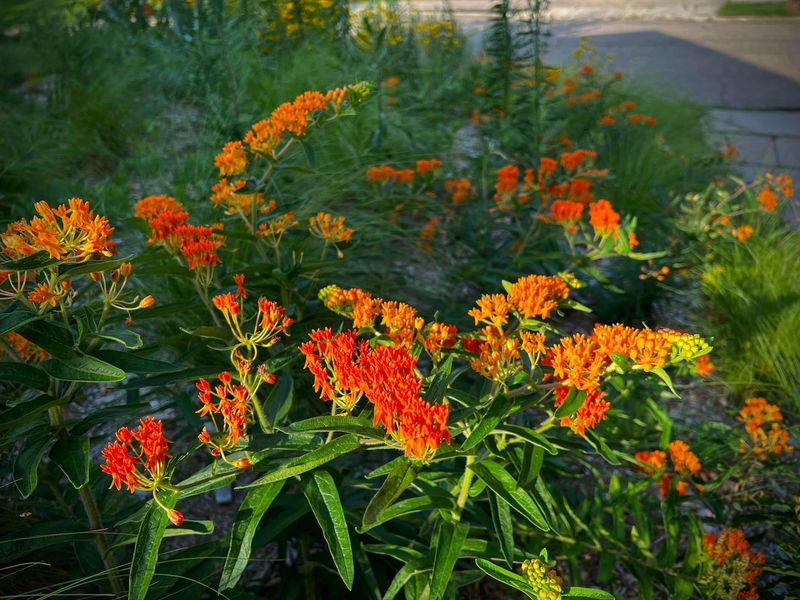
[(463, 495), (263, 421), (93, 514)]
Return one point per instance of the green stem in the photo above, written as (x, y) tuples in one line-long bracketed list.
[(93, 514), (463, 495), (263, 421), (189, 486)]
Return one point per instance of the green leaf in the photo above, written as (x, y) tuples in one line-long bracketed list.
[(406, 572), (662, 374), (251, 510), (145, 553), (71, 455), (279, 400), (28, 411), (126, 337), (319, 456), (27, 375), (400, 477), (26, 466), (599, 444), (503, 484), (530, 436), (510, 578), (82, 368), (16, 319), (90, 266), (448, 548), (410, 506), (34, 262), (110, 414), (171, 377), (133, 363), (51, 336), (494, 415), (503, 526), (323, 498), (588, 593), (532, 459), (571, 404), (209, 331), (347, 424)]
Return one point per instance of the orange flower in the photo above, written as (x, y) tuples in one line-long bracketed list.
[(401, 322), (603, 218), (507, 181), (231, 402), (390, 82), (655, 461), (606, 121), (632, 240), (149, 206), (438, 337), (227, 194), (70, 232), (232, 160), (354, 303), (757, 413), (576, 362), (591, 412), (580, 191), (685, 461), (330, 229), (425, 166), (767, 199), (704, 366), (537, 296), (743, 233), (783, 182), (492, 309), (199, 245), (498, 355), (389, 174), (566, 213), (428, 233), (45, 294), (335, 360), (532, 342), (642, 120), (460, 190), (151, 455), (732, 565), (572, 160), (25, 350), (269, 323), (272, 231)]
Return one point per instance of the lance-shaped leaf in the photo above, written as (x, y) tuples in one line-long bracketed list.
[(82, 368), (71, 455), (251, 510), (448, 549), (503, 484), (133, 363), (323, 497), (503, 526), (396, 483), (16, 319), (572, 403), (347, 424), (494, 415), (325, 453), (26, 466), (409, 506), (510, 578), (126, 337), (24, 374), (582, 593), (145, 553), (34, 262), (90, 266)]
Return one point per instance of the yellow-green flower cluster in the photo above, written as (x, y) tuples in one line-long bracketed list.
[(545, 581), (686, 346)]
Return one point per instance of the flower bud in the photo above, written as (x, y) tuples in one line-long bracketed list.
[(124, 435), (204, 436), (125, 269), (242, 463), (176, 517), (147, 302)]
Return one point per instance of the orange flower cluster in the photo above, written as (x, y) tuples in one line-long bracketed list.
[(566, 213), (269, 324), (70, 232), (497, 353), (704, 366), (227, 194), (603, 218), (330, 229), (506, 186), (586, 98), (428, 233), (387, 174), (572, 160), (648, 348), (290, 118), (140, 465), (353, 303), (591, 412), (24, 349), (199, 245), (768, 199), (231, 402), (425, 166), (401, 322), (755, 414), (537, 296), (151, 206), (685, 466), (743, 233), (345, 369), (732, 565), (232, 160), (783, 183), (460, 190), (438, 337), (636, 119), (272, 231)]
